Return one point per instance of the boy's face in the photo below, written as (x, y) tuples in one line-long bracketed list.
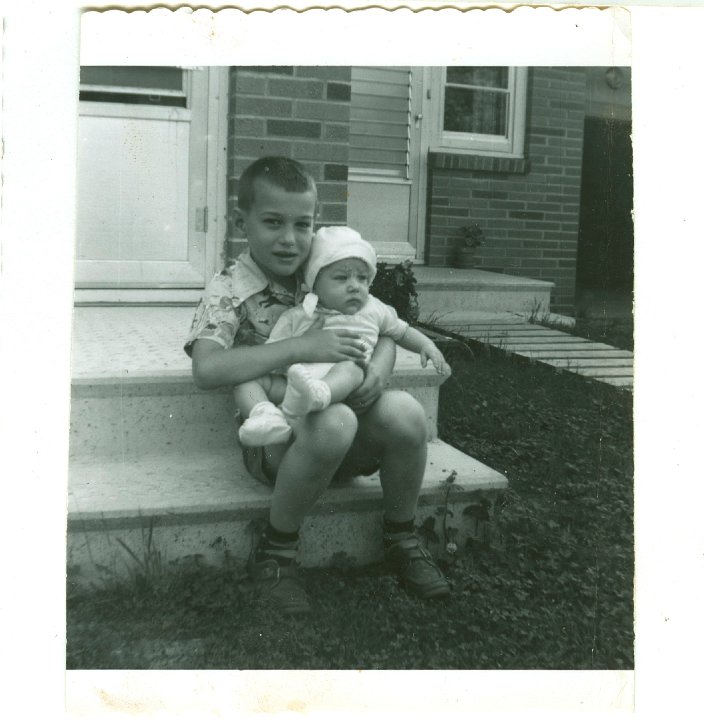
[(279, 228), (343, 285)]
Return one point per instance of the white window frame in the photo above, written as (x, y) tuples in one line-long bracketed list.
[(476, 143)]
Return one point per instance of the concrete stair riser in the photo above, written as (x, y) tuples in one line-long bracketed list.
[(451, 298), (97, 556), (134, 418)]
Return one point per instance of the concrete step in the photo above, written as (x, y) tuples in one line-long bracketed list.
[(443, 290), (142, 413), (183, 504), (154, 462), (133, 392), (155, 465)]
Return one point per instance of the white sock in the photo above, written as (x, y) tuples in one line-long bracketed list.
[(304, 394)]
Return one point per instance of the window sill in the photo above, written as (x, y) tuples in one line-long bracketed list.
[(486, 163)]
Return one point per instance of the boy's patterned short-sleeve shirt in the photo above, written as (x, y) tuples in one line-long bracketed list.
[(240, 306)]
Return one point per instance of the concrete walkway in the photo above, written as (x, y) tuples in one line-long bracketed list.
[(514, 333)]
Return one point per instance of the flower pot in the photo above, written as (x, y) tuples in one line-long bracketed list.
[(465, 257)]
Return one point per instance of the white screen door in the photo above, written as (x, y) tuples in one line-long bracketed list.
[(142, 185)]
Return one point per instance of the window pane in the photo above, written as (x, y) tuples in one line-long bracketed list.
[(496, 77), (163, 78), (476, 111)]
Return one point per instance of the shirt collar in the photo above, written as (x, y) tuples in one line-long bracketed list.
[(249, 279)]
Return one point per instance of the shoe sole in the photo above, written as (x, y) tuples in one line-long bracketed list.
[(441, 591)]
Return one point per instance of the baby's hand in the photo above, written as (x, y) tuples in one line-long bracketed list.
[(432, 353)]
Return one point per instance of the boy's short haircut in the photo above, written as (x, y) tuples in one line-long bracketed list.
[(281, 172)]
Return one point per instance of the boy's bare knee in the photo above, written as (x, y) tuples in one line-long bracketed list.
[(337, 425), (330, 432), (405, 419)]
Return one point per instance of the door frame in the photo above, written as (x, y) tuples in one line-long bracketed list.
[(215, 221), (421, 119)]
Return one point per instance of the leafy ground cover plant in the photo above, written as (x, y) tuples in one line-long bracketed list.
[(551, 588)]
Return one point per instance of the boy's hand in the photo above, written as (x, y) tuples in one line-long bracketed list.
[(361, 399), (320, 345), (376, 376), (432, 353)]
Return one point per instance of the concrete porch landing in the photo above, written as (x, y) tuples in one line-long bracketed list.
[(441, 290)]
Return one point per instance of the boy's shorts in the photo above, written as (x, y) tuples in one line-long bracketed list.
[(257, 467), (255, 462)]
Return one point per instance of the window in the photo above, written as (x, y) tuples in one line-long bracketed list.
[(479, 110), (133, 85)]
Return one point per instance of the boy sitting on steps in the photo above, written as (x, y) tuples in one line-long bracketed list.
[(341, 266), (375, 429)]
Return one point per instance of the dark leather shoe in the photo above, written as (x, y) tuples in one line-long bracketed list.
[(280, 587), (416, 568)]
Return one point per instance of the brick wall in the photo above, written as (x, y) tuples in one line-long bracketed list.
[(529, 209), (300, 112)]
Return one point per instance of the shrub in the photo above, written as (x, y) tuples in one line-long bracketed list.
[(395, 285)]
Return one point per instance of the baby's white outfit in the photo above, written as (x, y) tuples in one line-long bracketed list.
[(374, 319)]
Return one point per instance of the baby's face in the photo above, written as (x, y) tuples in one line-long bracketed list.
[(343, 285)]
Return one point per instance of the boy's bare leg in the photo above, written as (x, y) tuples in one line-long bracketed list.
[(304, 471), (393, 433), (307, 467)]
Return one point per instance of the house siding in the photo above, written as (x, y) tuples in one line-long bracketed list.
[(300, 112), (528, 209)]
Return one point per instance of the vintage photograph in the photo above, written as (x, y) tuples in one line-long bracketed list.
[(321, 385), (352, 368)]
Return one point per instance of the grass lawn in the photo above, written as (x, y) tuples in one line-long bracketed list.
[(552, 590)]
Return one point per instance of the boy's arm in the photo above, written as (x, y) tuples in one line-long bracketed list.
[(417, 342), (214, 365)]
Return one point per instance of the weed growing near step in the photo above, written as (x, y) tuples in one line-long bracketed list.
[(547, 584)]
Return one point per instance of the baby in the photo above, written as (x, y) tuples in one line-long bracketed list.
[(341, 267)]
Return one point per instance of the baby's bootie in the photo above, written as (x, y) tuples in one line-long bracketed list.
[(266, 425)]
